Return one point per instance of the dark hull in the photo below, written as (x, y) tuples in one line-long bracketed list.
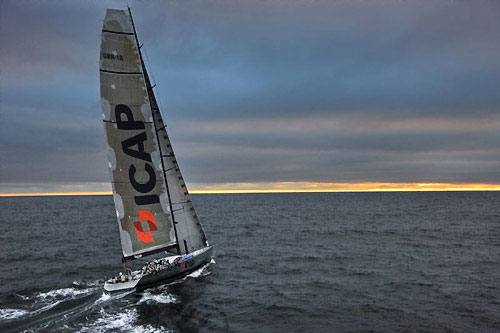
[(174, 273)]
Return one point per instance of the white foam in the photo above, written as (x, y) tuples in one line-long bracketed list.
[(203, 271), (104, 297), (121, 322), (148, 297), (16, 313), (45, 308), (64, 292), (196, 273), (12, 313), (24, 298), (80, 283)]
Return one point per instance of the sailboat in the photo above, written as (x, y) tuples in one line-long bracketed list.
[(156, 217)]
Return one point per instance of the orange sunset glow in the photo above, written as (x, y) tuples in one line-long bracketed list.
[(297, 187), (48, 194)]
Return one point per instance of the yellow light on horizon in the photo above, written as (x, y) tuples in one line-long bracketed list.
[(299, 187)]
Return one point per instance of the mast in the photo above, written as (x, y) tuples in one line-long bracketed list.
[(152, 101)]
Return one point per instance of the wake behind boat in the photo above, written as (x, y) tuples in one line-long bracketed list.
[(155, 214)]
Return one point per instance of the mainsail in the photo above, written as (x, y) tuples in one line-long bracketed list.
[(153, 207)]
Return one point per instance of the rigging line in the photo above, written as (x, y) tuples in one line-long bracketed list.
[(158, 92), (148, 63), (158, 99)]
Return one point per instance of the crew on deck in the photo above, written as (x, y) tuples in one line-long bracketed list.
[(158, 265)]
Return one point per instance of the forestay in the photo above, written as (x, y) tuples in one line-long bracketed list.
[(139, 187)]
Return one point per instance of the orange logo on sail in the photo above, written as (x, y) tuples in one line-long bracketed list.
[(145, 236)]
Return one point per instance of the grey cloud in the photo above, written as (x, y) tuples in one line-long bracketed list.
[(227, 61)]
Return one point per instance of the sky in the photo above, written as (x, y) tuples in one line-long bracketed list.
[(279, 95)]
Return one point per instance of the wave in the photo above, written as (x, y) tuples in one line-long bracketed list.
[(202, 271), (124, 321), (64, 292), (105, 297), (157, 298), (41, 302), (22, 297), (12, 313), (87, 284), (199, 272), (8, 314)]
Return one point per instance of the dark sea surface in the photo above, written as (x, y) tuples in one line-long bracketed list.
[(336, 262)]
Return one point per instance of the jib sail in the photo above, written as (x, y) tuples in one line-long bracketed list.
[(189, 230)]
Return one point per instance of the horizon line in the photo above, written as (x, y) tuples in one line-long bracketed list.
[(262, 191)]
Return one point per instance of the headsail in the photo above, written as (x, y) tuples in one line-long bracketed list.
[(135, 165), (189, 231), (139, 151)]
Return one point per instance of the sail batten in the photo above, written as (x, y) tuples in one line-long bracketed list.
[(120, 73)]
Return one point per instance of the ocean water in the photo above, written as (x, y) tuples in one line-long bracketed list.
[(336, 262)]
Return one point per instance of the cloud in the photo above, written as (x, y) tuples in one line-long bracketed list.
[(276, 91)]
